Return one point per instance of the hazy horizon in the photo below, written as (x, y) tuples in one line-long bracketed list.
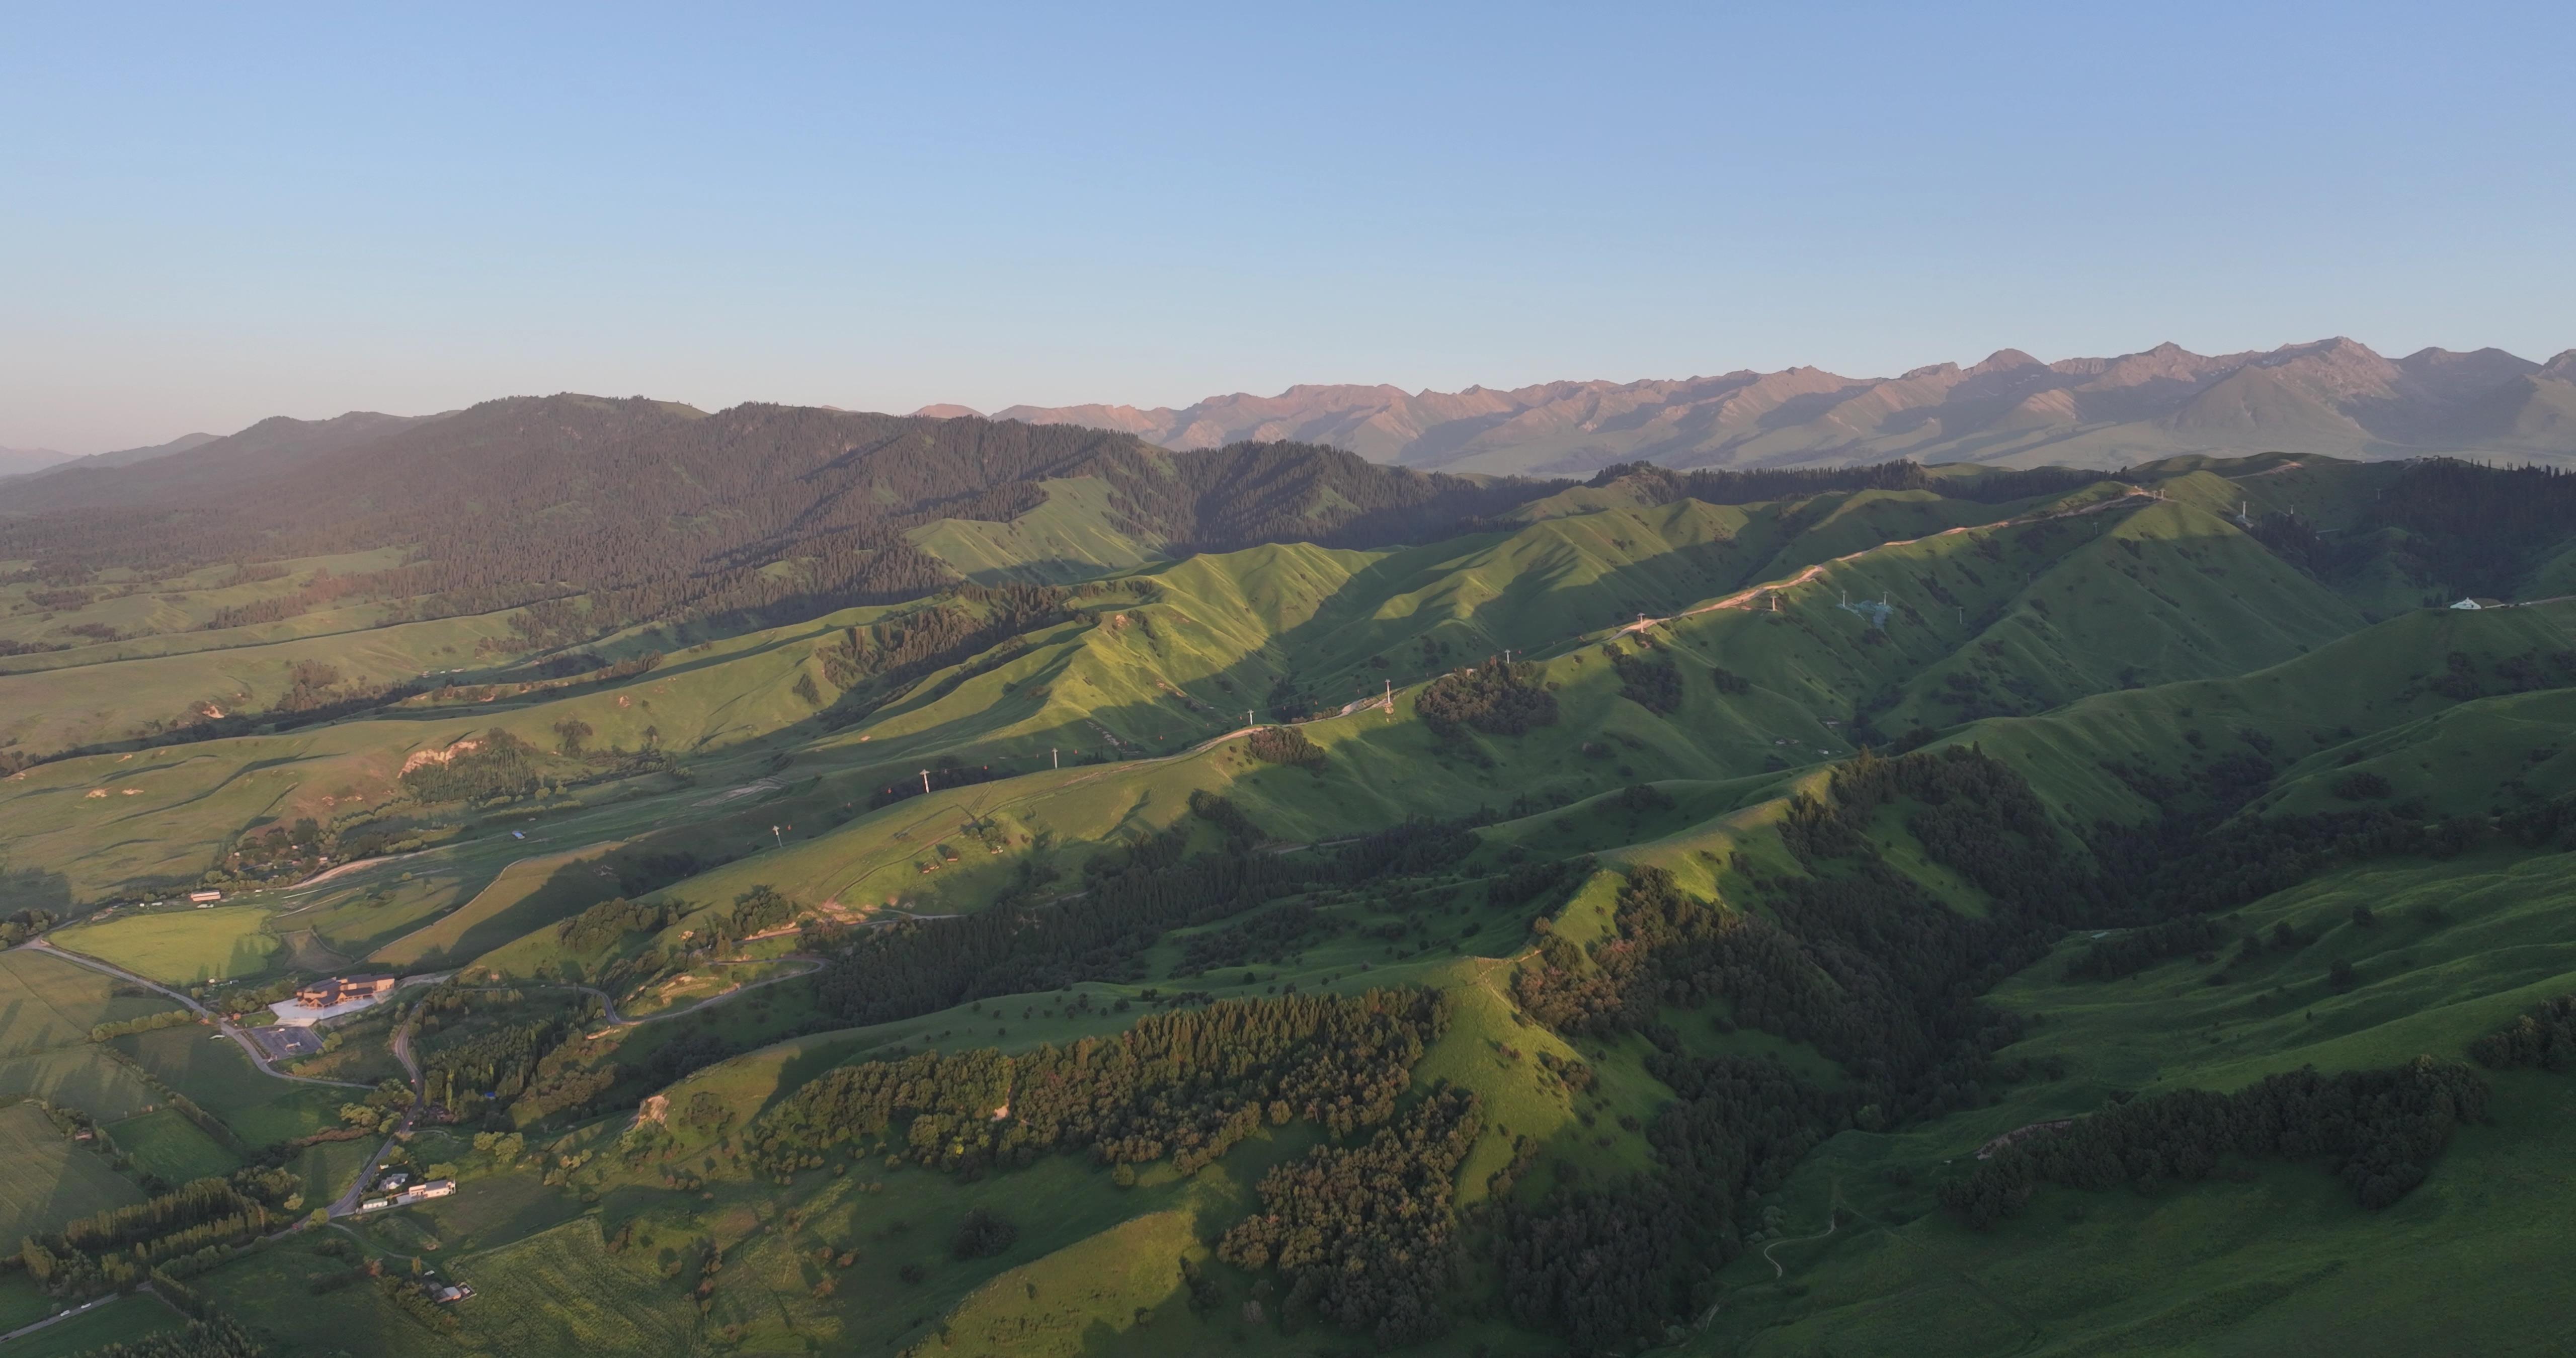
[(223, 219)]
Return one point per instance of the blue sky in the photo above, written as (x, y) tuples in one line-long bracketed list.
[(211, 214)]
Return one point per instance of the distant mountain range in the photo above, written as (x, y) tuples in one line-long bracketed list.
[(20, 461), (2332, 397)]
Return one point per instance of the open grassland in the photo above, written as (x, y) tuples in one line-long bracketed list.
[(498, 1208), (1080, 1298), (79, 1077), (155, 617), (358, 915), (2373, 690), (47, 1007), (527, 895), (1069, 537), (166, 1144), (124, 1320), (68, 706), (21, 1301), (50, 1179), (270, 1289), (47, 1002), (563, 1292), (329, 1167), (180, 946), (212, 1071), (2269, 1259)]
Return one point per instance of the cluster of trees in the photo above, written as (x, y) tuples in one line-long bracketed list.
[(218, 1337), (640, 871), (499, 765), (1130, 898), (2461, 680), (1274, 935), (1650, 683), (1856, 960), (20, 925), (496, 1054), (2184, 863), (411, 1294), (2474, 529), (1523, 883), (1285, 745), (608, 923), (168, 1018), (2379, 1130), (2544, 1037), (2546, 825), (1366, 1234), (1607, 1267), (2128, 954), (1496, 698), (1188, 1084), (875, 664), (274, 851), (982, 1234), (121, 1246)]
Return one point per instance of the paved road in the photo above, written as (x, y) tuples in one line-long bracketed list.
[(347, 1205), (81, 1310), (226, 1026)]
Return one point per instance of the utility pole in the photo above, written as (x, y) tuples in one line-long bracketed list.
[(773, 834), (1390, 697), (1056, 755), (1247, 716), (925, 782)]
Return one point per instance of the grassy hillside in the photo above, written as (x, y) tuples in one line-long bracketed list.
[(1269, 967)]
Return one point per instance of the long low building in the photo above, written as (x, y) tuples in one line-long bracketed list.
[(435, 1188), (339, 990)]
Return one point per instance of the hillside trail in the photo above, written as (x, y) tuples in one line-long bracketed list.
[(808, 964), (1743, 598), (1833, 1219), (2290, 466), (352, 865), (222, 1023)]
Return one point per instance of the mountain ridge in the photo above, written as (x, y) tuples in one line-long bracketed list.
[(2334, 397)]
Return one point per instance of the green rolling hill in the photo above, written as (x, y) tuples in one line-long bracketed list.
[(958, 887)]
